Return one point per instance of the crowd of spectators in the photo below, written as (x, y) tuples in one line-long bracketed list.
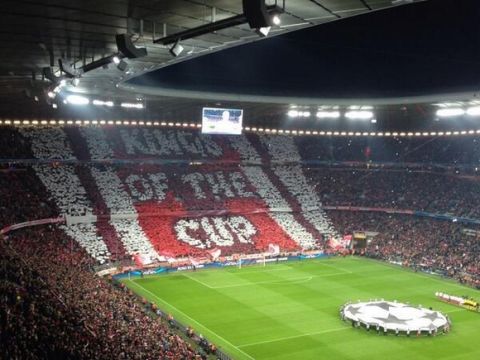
[(13, 145), (454, 150), (449, 248), (23, 197), (397, 188), (53, 306)]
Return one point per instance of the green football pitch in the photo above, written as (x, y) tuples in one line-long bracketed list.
[(291, 310)]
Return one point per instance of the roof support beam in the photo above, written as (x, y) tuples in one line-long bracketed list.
[(364, 2), (211, 27)]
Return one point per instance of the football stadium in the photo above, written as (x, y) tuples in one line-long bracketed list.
[(252, 180)]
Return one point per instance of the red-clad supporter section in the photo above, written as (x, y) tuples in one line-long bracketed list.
[(268, 231), (242, 226), (159, 226)]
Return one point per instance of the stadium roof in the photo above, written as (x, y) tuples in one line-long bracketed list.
[(35, 34)]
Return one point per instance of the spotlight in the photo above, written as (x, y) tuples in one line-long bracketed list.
[(77, 100), (102, 103), (54, 106), (258, 14), (361, 115), (122, 65), (450, 112), (51, 94), (473, 111), (176, 49), (116, 60), (75, 82), (263, 31), (132, 105), (328, 114), (276, 20)]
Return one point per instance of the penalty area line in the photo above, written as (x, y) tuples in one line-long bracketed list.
[(296, 280), (293, 337), (192, 320), (198, 281), (285, 281)]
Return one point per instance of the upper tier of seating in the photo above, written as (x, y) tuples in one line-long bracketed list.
[(99, 143)]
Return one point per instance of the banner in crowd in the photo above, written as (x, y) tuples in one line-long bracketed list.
[(25, 224), (273, 249), (340, 244), (215, 253)]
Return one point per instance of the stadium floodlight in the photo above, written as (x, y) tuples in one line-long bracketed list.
[(122, 65), (451, 112), (276, 20), (102, 103), (77, 100), (360, 115), (116, 60), (176, 49), (373, 121), (293, 113), (306, 114), (263, 31), (132, 105), (328, 114), (51, 94), (473, 111)]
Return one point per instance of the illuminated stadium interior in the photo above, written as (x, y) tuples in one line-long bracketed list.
[(256, 179)]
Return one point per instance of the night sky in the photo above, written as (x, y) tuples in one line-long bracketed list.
[(430, 47)]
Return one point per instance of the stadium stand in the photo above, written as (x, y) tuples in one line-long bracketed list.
[(162, 194), (51, 293)]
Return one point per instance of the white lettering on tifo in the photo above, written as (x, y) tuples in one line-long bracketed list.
[(144, 188), (207, 232), (169, 143), (220, 184)]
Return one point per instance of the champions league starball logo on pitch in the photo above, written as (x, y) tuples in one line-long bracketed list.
[(394, 317)]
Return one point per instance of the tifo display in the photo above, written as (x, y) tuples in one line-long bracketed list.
[(391, 316)]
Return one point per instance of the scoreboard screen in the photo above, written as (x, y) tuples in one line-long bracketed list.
[(222, 121)]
